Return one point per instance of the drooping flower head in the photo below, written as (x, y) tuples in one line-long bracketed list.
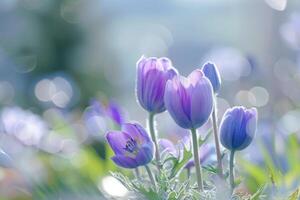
[(238, 128), (167, 145), (206, 153), (152, 75), (189, 100), (132, 146), (212, 73)]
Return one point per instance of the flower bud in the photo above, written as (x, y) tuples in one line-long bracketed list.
[(152, 75), (238, 128), (211, 72)]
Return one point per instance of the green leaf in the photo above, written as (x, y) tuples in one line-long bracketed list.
[(179, 163), (172, 195), (208, 134), (258, 193), (295, 195)]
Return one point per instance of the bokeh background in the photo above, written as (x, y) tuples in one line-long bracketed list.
[(58, 55)]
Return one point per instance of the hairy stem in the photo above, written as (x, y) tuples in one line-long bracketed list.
[(196, 159), (154, 139), (217, 143), (137, 173), (231, 172), (150, 176)]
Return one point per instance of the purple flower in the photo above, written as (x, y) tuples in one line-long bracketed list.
[(132, 146), (94, 118), (205, 154), (211, 72), (238, 127), (167, 145), (152, 75), (189, 100), (115, 112)]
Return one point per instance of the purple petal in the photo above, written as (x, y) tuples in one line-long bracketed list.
[(125, 161), (177, 102), (145, 154), (201, 96), (136, 131), (115, 113), (117, 140)]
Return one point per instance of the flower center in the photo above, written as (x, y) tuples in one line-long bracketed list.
[(131, 146)]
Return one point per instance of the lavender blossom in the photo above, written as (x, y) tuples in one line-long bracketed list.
[(132, 146), (238, 128), (152, 75), (189, 100)]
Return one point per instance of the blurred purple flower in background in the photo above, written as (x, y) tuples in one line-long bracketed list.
[(206, 152), (189, 100), (168, 146), (115, 112), (238, 128), (152, 75), (132, 146), (97, 114), (94, 119), (24, 125)]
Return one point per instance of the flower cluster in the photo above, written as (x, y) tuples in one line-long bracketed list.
[(191, 102)]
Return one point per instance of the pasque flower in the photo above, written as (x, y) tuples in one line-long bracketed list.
[(152, 75), (211, 72), (238, 128), (167, 145), (206, 152), (132, 146), (189, 100)]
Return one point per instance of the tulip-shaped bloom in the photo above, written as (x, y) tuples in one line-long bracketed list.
[(152, 75), (238, 128), (212, 73), (132, 146), (189, 100)]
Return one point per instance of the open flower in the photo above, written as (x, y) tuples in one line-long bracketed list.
[(211, 72), (132, 146), (152, 75), (189, 100), (238, 127)]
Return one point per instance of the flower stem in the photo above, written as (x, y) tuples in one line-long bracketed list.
[(231, 173), (150, 176), (137, 173), (196, 159), (217, 143), (153, 136)]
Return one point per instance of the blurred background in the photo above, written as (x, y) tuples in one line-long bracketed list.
[(62, 62)]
